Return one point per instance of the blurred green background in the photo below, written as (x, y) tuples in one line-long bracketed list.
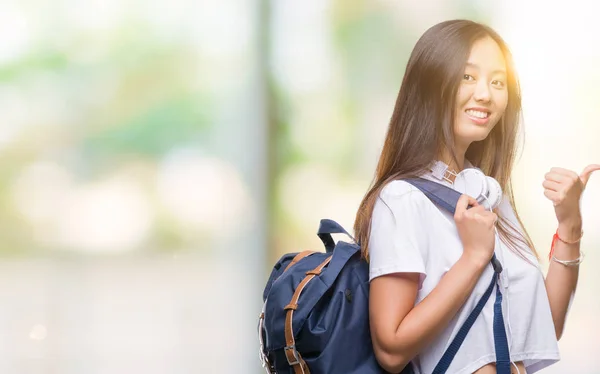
[(157, 157)]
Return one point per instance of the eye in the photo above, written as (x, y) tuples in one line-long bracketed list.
[(498, 84), (468, 77)]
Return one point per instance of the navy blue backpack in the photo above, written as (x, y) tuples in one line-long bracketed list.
[(315, 317)]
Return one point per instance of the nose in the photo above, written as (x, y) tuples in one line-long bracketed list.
[(482, 92)]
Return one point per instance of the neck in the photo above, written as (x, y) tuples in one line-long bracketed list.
[(455, 166)]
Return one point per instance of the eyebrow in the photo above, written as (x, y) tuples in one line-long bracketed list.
[(497, 71)]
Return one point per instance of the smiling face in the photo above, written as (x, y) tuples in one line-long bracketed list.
[(482, 95)]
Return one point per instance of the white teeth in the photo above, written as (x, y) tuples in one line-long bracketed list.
[(476, 113)]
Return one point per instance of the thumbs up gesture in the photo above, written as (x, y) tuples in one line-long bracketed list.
[(564, 188)]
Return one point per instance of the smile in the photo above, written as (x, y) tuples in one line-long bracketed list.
[(477, 113), (479, 117)]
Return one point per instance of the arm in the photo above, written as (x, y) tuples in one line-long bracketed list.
[(564, 188), (561, 280), (400, 331)]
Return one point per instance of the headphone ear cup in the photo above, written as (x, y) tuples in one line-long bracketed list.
[(494, 197), (471, 182)]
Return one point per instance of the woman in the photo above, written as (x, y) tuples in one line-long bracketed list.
[(459, 107)]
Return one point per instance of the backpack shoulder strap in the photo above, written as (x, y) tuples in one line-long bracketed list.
[(447, 198), (442, 195)]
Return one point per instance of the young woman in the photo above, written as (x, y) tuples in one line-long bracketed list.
[(459, 108)]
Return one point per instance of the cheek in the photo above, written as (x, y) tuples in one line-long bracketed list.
[(502, 101), (462, 98), (463, 95)]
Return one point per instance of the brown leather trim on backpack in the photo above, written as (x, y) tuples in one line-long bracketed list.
[(293, 356), (297, 258)]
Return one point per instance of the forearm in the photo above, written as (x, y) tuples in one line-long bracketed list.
[(432, 315), (561, 280)]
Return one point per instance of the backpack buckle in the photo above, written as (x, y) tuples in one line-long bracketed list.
[(294, 354)]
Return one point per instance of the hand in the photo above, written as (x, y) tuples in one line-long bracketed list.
[(564, 188), (476, 229)]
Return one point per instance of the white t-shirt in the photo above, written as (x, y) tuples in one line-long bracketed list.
[(411, 234)]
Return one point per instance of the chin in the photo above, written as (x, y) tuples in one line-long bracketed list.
[(473, 136), (480, 137)]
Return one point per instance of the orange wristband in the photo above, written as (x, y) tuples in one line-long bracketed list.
[(555, 238)]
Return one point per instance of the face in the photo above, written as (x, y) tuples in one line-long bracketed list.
[(482, 95)]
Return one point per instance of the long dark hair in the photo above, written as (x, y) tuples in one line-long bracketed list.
[(422, 123)]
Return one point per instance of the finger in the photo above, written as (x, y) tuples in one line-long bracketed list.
[(555, 177), (551, 185), (476, 212), (587, 172), (464, 201), (492, 218), (489, 215), (554, 196), (562, 171), (486, 217), (476, 208)]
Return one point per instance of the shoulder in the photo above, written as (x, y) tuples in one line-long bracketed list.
[(402, 190), (402, 198)]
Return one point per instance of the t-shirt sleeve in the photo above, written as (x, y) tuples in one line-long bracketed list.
[(398, 239)]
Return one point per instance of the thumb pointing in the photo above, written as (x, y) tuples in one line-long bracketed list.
[(587, 172)]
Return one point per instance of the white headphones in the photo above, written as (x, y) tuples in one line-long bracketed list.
[(472, 182)]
